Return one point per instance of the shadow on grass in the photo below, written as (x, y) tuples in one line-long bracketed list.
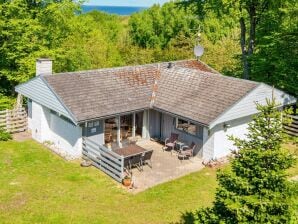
[(187, 218)]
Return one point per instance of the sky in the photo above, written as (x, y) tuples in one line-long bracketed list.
[(124, 2)]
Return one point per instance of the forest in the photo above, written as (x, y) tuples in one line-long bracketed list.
[(255, 40)]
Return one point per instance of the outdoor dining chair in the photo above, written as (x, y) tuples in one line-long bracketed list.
[(135, 161), (127, 164), (171, 142), (187, 151), (146, 157)]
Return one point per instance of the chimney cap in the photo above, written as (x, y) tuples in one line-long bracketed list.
[(44, 66), (44, 59)]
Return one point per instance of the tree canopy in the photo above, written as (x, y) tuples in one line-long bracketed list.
[(79, 41), (267, 37)]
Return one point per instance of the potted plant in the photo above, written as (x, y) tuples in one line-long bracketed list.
[(109, 145), (126, 181)]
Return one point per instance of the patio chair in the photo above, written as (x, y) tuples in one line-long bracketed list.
[(135, 161), (146, 157), (170, 142), (187, 151), (127, 163)]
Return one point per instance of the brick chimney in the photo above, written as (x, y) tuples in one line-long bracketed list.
[(44, 66)]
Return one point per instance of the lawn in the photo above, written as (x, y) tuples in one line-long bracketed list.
[(37, 186)]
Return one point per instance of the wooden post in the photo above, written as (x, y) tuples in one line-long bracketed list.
[(122, 168), (134, 125), (144, 128), (103, 123), (118, 121), (7, 121), (148, 125)]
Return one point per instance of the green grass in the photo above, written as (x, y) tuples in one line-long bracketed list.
[(36, 186), (293, 148)]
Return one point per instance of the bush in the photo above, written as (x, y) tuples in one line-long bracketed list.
[(6, 102), (4, 136)]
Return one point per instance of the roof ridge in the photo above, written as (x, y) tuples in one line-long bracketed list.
[(155, 64)]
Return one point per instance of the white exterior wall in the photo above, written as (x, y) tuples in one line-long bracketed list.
[(46, 126), (217, 144), (208, 144), (36, 120), (222, 145), (29, 118), (66, 136)]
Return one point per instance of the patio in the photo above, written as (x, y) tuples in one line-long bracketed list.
[(165, 167)]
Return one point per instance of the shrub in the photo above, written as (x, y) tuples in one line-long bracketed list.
[(6, 102), (4, 136)]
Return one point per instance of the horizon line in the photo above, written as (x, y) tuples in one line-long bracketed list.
[(135, 6)]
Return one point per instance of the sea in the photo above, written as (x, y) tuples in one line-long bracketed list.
[(119, 10)]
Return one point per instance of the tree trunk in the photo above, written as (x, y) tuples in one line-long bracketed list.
[(243, 48), (252, 32)]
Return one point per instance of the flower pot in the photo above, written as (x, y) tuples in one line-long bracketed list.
[(126, 181)]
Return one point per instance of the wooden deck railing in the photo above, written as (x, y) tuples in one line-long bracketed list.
[(292, 129), (106, 160), (13, 121)]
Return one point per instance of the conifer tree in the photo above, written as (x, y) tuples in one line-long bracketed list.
[(256, 189)]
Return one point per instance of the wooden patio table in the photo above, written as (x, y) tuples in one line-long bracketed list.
[(130, 150)]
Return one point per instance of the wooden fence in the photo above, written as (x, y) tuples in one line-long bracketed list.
[(292, 129), (106, 160), (13, 121)]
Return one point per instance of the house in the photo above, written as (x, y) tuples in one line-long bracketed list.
[(110, 105)]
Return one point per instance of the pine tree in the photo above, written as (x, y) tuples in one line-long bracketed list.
[(256, 189)]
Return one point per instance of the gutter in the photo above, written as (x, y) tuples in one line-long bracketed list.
[(112, 115)]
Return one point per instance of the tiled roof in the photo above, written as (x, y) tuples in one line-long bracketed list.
[(98, 93), (187, 88), (200, 96)]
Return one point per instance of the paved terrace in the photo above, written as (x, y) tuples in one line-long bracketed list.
[(165, 167)]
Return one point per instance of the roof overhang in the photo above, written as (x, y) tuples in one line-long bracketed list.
[(183, 117), (113, 115)]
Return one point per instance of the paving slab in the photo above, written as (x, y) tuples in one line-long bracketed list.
[(165, 167)]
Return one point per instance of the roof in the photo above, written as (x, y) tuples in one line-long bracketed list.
[(198, 95), (100, 93), (188, 88)]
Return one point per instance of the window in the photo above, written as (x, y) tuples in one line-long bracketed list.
[(186, 126), (92, 124)]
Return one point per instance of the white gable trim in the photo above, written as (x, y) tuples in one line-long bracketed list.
[(71, 115), (246, 105), (38, 90)]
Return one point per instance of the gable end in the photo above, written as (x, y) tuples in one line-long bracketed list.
[(39, 91), (246, 106)]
